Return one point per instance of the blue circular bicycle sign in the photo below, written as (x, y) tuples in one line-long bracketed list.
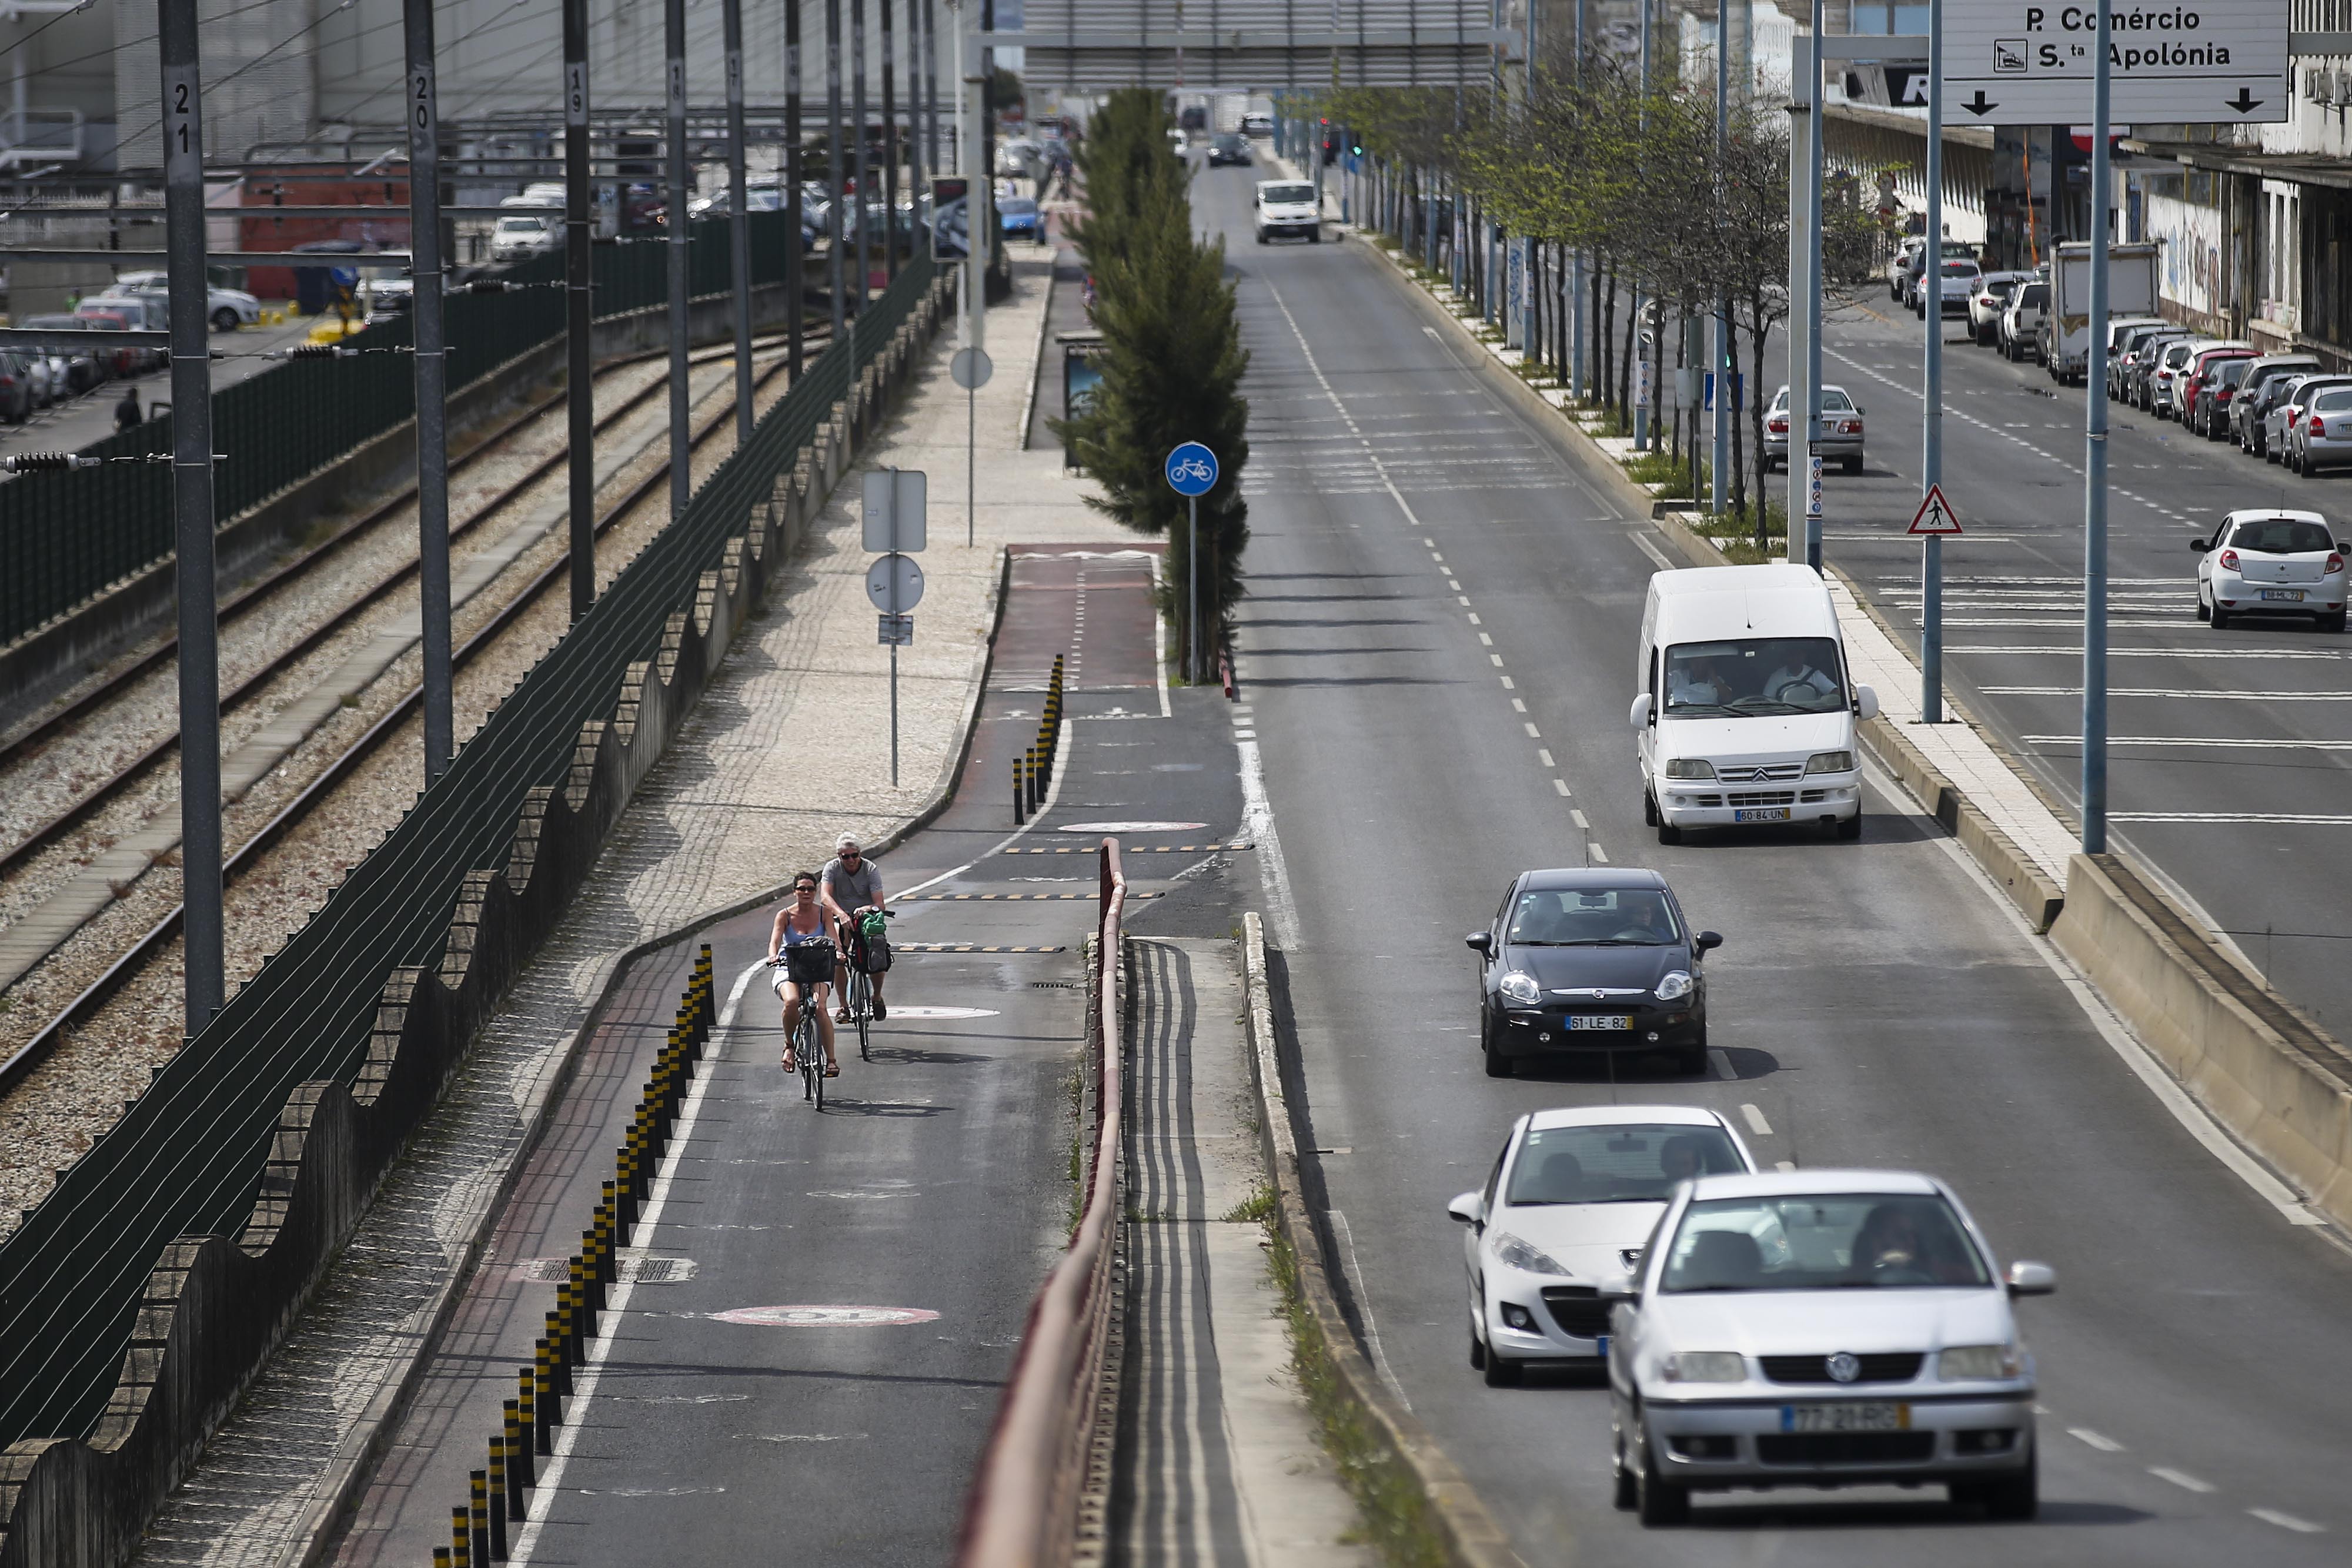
[(1192, 469)]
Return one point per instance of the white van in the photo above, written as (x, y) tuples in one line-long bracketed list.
[(1746, 712), (1288, 207)]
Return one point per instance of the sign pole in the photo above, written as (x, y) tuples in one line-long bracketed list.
[(1814, 161), (970, 464), (1719, 454), (1192, 578), (1931, 466), (2095, 467)]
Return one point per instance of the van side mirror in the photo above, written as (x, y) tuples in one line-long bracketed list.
[(1709, 941), (1865, 703), (1480, 942), (1641, 713)]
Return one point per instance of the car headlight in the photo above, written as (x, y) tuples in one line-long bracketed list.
[(1675, 987), (1705, 1367), (1517, 986), (1974, 1363), (1524, 1256), (1830, 762), (1690, 768)]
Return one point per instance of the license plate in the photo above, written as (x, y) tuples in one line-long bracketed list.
[(1761, 814), (1871, 1417), (1600, 1020), (2293, 595)]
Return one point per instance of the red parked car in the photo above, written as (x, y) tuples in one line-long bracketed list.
[(2192, 383)]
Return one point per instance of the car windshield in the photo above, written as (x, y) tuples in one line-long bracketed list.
[(522, 225), (60, 323), (1833, 1242), (2285, 536), (1279, 193), (1016, 207), (1627, 1163), (1753, 676), (1593, 917)]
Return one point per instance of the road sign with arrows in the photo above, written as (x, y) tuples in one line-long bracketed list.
[(1935, 515), (2029, 62)]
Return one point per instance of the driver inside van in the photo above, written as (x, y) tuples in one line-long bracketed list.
[(1794, 673)]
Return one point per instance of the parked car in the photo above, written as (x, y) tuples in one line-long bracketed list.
[(2146, 363), (1257, 125), (226, 309), (1821, 1329), (522, 235), (1288, 207), (1841, 436), (2124, 354), (1914, 267), (1230, 147), (2165, 388), (2265, 378), (2273, 562), (2190, 385), (2021, 321), (1960, 281), (2215, 389), (15, 387), (2287, 405), (84, 368), (1572, 1198), (2321, 434), (40, 385), (1985, 304)]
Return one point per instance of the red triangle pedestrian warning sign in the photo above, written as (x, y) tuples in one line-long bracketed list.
[(1935, 514)]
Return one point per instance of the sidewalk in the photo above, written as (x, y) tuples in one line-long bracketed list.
[(790, 746)]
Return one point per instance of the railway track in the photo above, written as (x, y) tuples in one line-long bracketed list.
[(252, 854), (257, 595)]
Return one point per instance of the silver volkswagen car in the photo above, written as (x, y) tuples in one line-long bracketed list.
[(1820, 1329)]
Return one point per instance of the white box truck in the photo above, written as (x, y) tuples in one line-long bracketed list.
[(1744, 708), (2066, 330)]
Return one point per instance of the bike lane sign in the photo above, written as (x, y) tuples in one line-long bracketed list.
[(1192, 469)]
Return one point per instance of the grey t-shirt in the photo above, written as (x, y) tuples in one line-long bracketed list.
[(853, 890)]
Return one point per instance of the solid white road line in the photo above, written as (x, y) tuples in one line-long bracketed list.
[(1257, 824), (1364, 1306), (2173, 694), (1653, 551), (550, 1481), (1756, 1122), (2302, 819), (2209, 742)]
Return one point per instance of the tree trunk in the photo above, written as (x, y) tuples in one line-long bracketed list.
[(1533, 316), (1609, 344), (1760, 335)]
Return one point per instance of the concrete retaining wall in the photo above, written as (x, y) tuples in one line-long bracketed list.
[(216, 1306), (134, 606), (2271, 1078)]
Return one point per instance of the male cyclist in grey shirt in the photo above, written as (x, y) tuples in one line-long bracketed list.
[(850, 884)]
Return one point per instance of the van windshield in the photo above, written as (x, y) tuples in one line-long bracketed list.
[(1742, 677)]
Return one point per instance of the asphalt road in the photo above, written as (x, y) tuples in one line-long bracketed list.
[(1436, 649), (2230, 749)]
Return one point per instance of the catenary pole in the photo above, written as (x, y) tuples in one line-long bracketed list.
[(432, 371), (681, 399), (191, 511), (857, 171), (1645, 391), (889, 144), (1931, 445), (2095, 464), (1813, 165), (1804, 83), (579, 309), (738, 220), (795, 173), (1578, 385)]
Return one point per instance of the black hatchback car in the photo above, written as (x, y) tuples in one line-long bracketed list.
[(1228, 148), (1599, 960)]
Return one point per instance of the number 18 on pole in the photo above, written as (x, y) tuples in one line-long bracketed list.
[(1192, 474)]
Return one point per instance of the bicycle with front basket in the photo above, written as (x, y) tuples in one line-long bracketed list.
[(808, 1052)]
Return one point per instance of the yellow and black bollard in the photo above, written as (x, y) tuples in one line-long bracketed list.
[(481, 1516), (461, 1539), (498, 1483), (1019, 794)]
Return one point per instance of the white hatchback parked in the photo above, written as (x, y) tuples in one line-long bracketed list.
[(1821, 1329), (1572, 1199), (2268, 562)]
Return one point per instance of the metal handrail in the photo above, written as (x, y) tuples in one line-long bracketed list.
[(1023, 1511)]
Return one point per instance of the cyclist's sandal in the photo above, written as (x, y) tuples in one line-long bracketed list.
[(832, 1070)]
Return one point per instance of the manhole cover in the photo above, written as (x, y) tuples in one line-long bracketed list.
[(631, 1266), (825, 1317)]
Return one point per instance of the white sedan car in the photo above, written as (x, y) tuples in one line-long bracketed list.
[(2267, 562), (1821, 1329), (226, 309), (1571, 1200)]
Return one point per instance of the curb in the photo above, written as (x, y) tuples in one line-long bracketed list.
[(1473, 1537), (1037, 355)]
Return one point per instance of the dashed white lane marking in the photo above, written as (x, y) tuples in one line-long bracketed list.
[(1486, 640), (1756, 1122), (2180, 1478), (1784, 1165), (1543, 754), (1497, 658), (1474, 619), (1597, 852), (2287, 1522), (1533, 733), (1578, 818), (1506, 681), (2098, 1440), (1466, 599), (1518, 705), (1453, 585), (1562, 785)]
